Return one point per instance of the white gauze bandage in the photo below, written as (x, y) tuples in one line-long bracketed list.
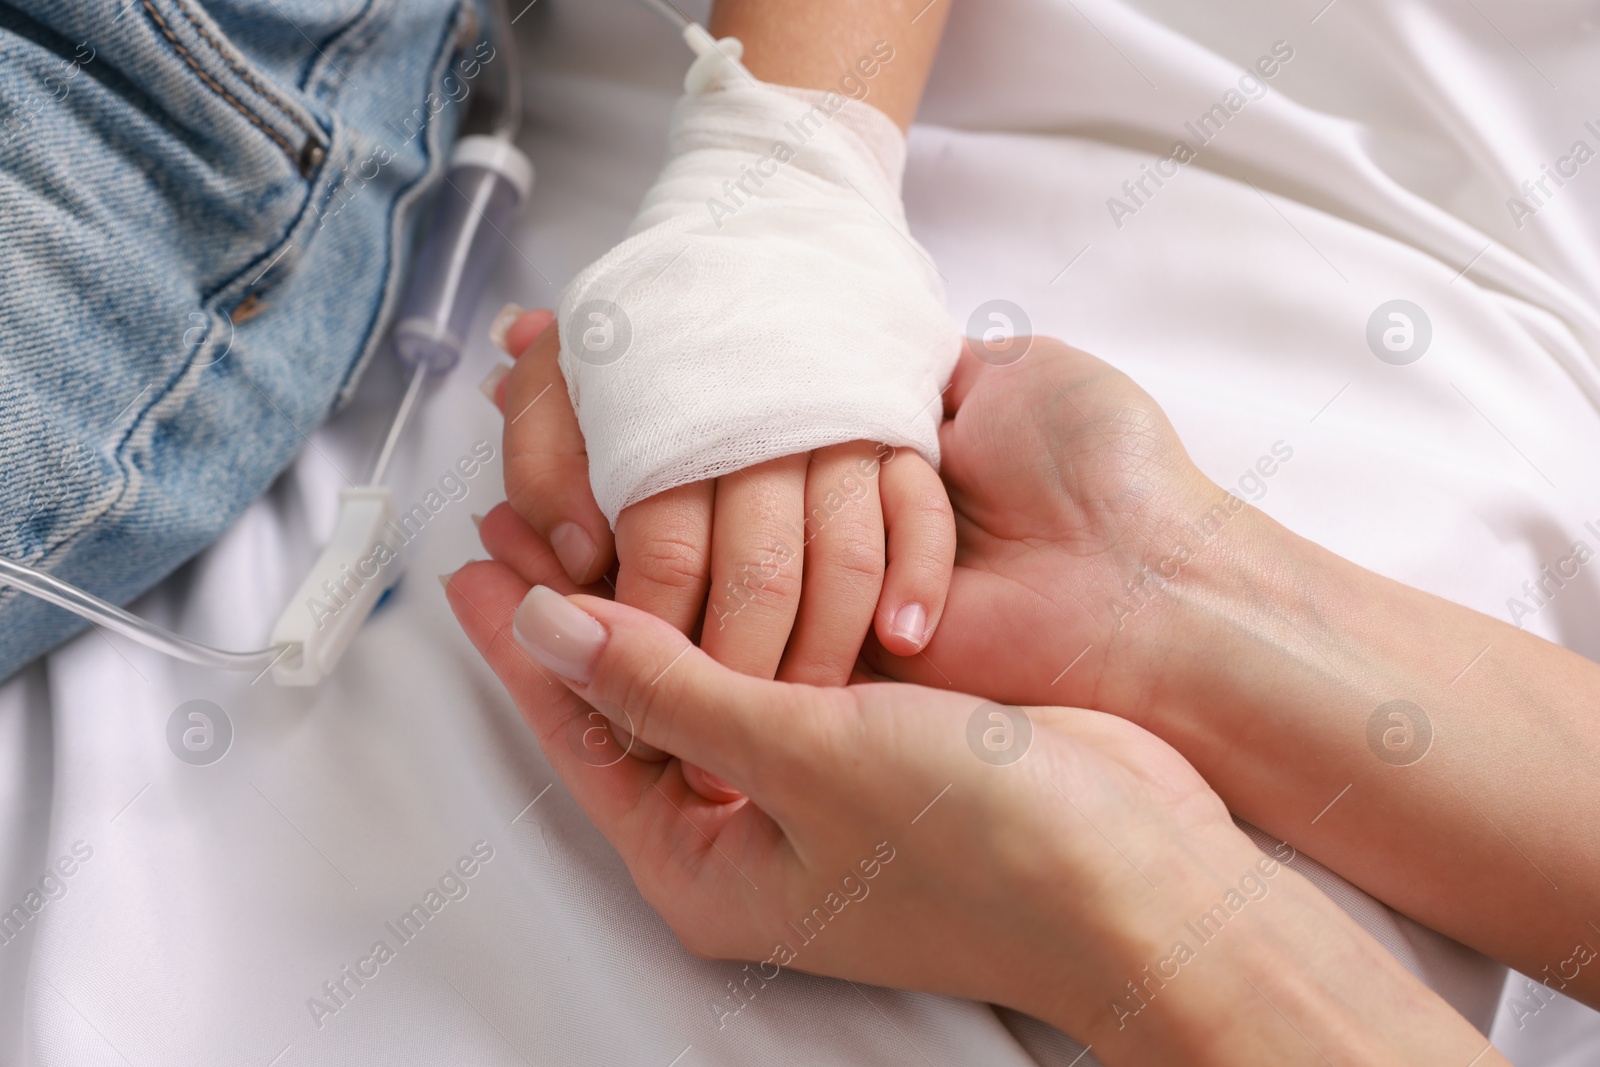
[(768, 300)]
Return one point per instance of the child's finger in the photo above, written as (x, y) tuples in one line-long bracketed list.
[(664, 554), (757, 550), (922, 552), (663, 551), (844, 566), (546, 466)]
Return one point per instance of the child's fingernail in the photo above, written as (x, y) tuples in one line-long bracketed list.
[(444, 580), (477, 520), (502, 322), (911, 623), (574, 548), (490, 386), (559, 634)]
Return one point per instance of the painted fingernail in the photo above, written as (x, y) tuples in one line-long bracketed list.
[(477, 521), (574, 548), (490, 386), (721, 784), (708, 785), (558, 633), (502, 322), (911, 623)]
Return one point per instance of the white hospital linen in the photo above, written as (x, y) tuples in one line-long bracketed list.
[(219, 899)]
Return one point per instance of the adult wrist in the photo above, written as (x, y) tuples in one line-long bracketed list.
[(1219, 629), (1342, 710), (1142, 993), (1188, 597), (1265, 969)]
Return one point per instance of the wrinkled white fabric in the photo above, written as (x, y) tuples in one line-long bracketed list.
[(769, 298)]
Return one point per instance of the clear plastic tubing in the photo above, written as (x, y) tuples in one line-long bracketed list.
[(49, 588), (487, 178)]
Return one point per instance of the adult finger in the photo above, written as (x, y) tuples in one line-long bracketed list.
[(968, 369), (757, 550), (679, 847), (547, 466), (514, 329), (484, 597), (751, 732), (922, 551), (844, 562), (511, 541), (512, 324)]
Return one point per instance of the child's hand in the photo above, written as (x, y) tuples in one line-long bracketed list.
[(782, 569)]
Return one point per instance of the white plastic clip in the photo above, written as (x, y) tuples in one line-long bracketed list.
[(712, 58), (330, 606)]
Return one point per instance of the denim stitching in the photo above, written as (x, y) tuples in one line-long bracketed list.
[(211, 82), (341, 48), (242, 71)]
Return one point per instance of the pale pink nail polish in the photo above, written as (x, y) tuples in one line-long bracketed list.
[(502, 322), (911, 623), (574, 548), (491, 381), (559, 634), (709, 785)]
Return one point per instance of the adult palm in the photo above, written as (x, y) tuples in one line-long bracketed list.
[(1077, 509)]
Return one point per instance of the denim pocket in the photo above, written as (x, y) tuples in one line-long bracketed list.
[(173, 318), (147, 169), (224, 71)]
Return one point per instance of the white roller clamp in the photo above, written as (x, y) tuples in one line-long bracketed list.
[(333, 602), (502, 157)]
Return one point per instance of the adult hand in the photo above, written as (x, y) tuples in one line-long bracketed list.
[(1077, 509), (1098, 567), (875, 843)]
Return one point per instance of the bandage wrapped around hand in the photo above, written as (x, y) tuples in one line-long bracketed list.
[(769, 299)]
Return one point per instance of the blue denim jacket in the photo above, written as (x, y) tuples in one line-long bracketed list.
[(204, 210)]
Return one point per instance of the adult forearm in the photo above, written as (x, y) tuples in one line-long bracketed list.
[(1440, 759), (1269, 971), (879, 51)]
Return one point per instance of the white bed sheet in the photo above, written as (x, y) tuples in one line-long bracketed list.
[(218, 899)]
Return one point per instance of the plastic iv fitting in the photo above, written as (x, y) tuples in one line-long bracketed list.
[(487, 179)]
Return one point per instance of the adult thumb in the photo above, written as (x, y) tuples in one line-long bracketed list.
[(629, 664)]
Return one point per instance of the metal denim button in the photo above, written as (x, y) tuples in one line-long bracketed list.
[(311, 156)]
